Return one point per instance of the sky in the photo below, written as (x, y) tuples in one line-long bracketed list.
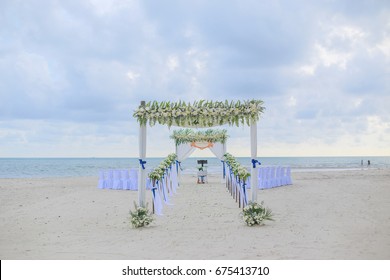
[(72, 73)]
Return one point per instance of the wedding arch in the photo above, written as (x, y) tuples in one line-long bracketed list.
[(199, 114)]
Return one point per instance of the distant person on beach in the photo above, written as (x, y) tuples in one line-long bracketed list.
[(368, 163)]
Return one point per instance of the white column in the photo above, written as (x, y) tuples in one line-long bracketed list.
[(254, 179), (142, 156)]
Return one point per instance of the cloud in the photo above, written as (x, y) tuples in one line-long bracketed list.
[(74, 71)]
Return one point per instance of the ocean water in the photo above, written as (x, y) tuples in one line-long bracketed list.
[(73, 167)]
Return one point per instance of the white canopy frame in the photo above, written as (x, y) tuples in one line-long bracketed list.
[(199, 114)]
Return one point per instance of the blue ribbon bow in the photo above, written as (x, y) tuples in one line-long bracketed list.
[(142, 162), (254, 161)]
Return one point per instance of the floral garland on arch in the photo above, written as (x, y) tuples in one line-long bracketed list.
[(160, 170), (238, 170), (200, 113), (183, 136)]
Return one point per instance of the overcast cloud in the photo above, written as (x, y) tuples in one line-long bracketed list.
[(72, 72)]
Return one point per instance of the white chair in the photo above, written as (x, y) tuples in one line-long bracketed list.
[(273, 177), (265, 176), (102, 180), (278, 177), (117, 183), (288, 176), (282, 175), (133, 174), (125, 179), (157, 201), (260, 177), (109, 178)]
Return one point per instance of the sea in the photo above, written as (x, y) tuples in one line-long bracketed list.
[(79, 167)]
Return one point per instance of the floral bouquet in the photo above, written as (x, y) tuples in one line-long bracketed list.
[(141, 216), (255, 214)]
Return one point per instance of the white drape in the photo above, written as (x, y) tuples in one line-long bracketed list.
[(218, 149), (183, 151)]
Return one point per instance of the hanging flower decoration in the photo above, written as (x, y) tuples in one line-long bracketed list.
[(238, 170), (184, 136), (160, 170), (200, 113)]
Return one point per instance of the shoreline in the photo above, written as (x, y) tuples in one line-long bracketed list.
[(323, 215), (193, 173)]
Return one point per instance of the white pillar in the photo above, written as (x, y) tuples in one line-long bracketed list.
[(142, 156), (254, 170)]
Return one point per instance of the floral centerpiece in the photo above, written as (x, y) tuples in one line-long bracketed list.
[(200, 113), (141, 216), (255, 214)]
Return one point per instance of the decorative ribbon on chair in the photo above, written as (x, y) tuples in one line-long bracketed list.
[(157, 199), (254, 161), (142, 162), (200, 146)]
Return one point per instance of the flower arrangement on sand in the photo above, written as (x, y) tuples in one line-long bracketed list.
[(255, 214), (200, 113), (141, 216)]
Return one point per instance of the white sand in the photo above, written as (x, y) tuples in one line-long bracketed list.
[(324, 215)]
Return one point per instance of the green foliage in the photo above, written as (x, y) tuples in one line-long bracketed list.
[(256, 214), (200, 113), (160, 170), (187, 135), (238, 170), (141, 216)]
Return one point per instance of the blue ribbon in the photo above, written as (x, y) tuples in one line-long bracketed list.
[(142, 162), (254, 161), (224, 172)]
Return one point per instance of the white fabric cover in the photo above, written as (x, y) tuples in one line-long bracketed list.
[(274, 176), (218, 149), (102, 181), (158, 206), (183, 151)]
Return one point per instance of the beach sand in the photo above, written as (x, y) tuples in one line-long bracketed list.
[(323, 215)]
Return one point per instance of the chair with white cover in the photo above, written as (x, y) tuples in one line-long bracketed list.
[(125, 178), (274, 182), (133, 174), (117, 183), (287, 177), (102, 180), (260, 177), (278, 176), (267, 177), (109, 178), (282, 175)]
